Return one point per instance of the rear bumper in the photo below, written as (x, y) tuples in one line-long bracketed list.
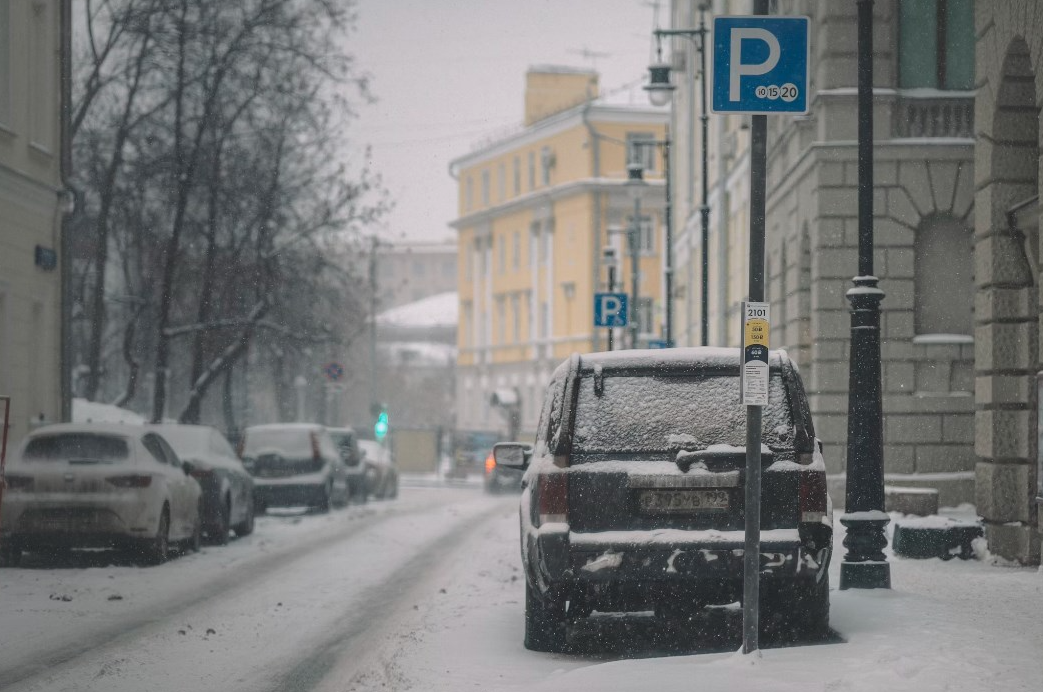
[(668, 556), (289, 494)]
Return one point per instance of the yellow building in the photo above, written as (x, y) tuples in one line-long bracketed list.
[(537, 208)]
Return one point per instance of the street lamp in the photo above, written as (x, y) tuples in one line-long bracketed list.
[(635, 183), (660, 92), (608, 258), (865, 565)]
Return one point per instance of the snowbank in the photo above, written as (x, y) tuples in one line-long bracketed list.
[(84, 411), (441, 310)]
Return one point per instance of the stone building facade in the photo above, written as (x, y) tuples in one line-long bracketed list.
[(31, 211), (924, 202), (1007, 357)]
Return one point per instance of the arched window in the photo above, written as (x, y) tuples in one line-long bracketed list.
[(944, 277)]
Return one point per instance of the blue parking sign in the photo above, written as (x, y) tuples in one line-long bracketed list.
[(610, 309), (760, 64)]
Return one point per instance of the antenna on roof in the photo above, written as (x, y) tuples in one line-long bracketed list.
[(591, 55)]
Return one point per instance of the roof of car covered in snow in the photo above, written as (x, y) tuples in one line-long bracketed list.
[(695, 358)]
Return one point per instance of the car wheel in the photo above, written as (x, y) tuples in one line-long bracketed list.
[(260, 507), (246, 526), (219, 534), (10, 556), (195, 543), (797, 611), (323, 505), (544, 622), (394, 488), (157, 550)]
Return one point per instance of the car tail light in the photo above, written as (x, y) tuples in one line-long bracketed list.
[(812, 505), (19, 482), (553, 493), (490, 463), (130, 481)]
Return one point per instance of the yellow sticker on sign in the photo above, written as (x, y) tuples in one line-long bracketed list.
[(757, 331)]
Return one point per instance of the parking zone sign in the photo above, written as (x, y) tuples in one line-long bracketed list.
[(760, 64), (756, 328), (610, 309)]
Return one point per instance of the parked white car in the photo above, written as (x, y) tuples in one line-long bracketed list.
[(381, 474), (98, 485)]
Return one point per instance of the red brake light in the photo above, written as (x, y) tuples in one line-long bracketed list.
[(553, 492), (316, 454), (490, 463), (130, 481), (19, 482), (201, 473), (812, 504)]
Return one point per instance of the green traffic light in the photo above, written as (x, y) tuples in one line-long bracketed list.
[(380, 428)]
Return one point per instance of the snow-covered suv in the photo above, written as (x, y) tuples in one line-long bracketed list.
[(634, 493)]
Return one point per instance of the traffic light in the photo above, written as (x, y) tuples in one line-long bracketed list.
[(380, 428)]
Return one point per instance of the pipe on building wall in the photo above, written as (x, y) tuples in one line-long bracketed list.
[(66, 198)]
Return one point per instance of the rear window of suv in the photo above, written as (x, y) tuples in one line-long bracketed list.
[(655, 413), (76, 446), (291, 443)]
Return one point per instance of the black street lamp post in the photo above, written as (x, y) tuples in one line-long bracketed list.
[(660, 91), (865, 565)]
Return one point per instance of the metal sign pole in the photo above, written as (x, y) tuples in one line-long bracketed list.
[(752, 547), (5, 401)]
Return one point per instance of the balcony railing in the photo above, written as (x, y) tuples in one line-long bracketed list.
[(934, 114)]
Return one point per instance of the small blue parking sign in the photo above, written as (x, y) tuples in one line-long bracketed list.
[(610, 309), (760, 65)]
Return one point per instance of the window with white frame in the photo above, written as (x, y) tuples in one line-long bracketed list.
[(516, 316), (641, 150), (646, 236), (501, 181), (517, 176), (546, 164), (516, 250), (532, 170), (501, 320), (501, 251), (468, 192), (485, 188)]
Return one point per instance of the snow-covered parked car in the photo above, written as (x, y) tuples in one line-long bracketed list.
[(634, 493), (347, 442), (228, 502), (381, 474), (294, 464), (98, 485), (498, 479)]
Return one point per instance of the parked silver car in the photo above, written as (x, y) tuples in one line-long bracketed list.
[(381, 474), (228, 502), (98, 485)]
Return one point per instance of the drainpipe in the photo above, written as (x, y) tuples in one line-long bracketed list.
[(66, 199)]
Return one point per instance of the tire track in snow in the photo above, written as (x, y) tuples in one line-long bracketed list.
[(132, 627), (382, 603)]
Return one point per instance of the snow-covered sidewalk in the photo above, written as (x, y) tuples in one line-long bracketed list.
[(953, 626)]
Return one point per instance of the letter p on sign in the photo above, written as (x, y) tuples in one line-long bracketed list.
[(760, 64)]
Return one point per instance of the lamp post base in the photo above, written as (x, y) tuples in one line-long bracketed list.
[(865, 575)]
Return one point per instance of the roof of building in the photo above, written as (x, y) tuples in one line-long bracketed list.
[(440, 310)]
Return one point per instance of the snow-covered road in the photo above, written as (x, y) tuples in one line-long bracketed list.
[(426, 594)]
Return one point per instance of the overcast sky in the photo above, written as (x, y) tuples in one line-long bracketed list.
[(447, 73)]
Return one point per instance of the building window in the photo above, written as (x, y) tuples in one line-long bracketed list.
[(944, 278), (936, 44), (516, 317), (516, 250), (546, 164), (469, 194), (534, 243), (501, 320), (501, 181), (646, 237), (517, 176), (641, 150), (485, 188), (545, 319), (41, 86), (501, 251), (645, 317), (532, 170), (548, 242)]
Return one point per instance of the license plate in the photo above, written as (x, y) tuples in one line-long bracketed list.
[(682, 501)]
